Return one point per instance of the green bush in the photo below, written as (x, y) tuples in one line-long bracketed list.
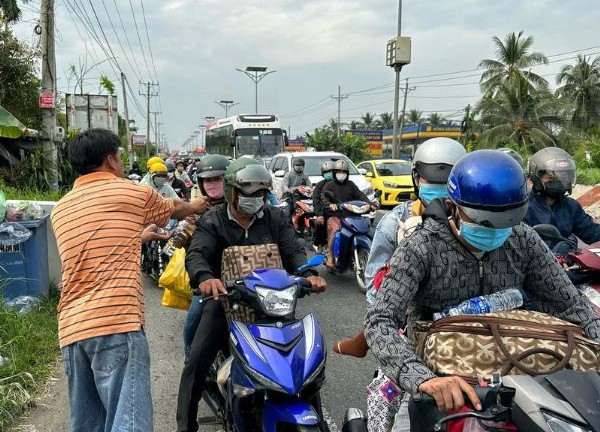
[(29, 346), (588, 176)]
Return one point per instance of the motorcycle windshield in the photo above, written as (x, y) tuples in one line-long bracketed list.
[(286, 356)]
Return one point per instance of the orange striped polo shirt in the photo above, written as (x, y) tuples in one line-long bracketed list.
[(98, 227)]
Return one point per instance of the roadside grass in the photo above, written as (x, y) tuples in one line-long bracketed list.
[(29, 194), (29, 348)]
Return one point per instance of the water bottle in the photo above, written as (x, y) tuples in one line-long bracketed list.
[(499, 301)]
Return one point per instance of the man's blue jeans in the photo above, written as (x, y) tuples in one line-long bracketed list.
[(191, 322), (109, 383)]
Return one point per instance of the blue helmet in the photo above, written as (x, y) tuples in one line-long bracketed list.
[(490, 188)]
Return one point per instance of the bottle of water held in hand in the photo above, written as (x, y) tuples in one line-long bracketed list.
[(502, 300), (178, 239)]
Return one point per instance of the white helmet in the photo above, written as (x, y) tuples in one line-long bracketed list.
[(435, 157)]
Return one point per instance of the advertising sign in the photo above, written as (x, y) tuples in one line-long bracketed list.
[(46, 100), (138, 140)]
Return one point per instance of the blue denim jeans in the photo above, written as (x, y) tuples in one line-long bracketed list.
[(191, 322), (109, 383)]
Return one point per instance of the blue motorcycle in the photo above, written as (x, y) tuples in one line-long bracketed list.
[(272, 379), (352, 243)]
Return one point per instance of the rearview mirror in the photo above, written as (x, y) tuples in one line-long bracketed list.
[(279, 173), (362, 171), (548, 232)]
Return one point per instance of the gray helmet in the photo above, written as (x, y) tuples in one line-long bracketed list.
[(512, 153), (435, 157), (341, 165), (326, 166), (298, 161), (559, 165), (247, 176)]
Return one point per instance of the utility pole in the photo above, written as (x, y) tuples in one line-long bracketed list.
[(465, 125), (399, 139), (49, 87), (226, 104), (339, 102), (132, 157), (155, 113), (149, 93)]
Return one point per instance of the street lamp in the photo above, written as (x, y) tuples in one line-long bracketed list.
[(226, 104), (256, 77)]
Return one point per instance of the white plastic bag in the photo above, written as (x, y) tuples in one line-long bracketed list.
[(13, 233)]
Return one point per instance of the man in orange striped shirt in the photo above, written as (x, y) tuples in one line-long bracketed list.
[(98, 227)]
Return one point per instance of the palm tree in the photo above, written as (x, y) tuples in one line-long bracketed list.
[(581, 85), (415, 117), (519, 114), (354, 125), (436, 119), (9, 11), (369, 121), (513, 61), (386, 120)]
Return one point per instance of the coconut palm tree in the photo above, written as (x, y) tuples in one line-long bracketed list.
[(415, 117), (513, 62), (436, 119), (354, 125), (519, 114), (9, 11), (369, 120), (581, 86), (386, 120)]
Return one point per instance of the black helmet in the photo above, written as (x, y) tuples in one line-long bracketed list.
[(212, 166), (559, 165), (248, 176)]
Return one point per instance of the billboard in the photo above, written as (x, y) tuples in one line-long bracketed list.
[(86, 111), (138, 140)]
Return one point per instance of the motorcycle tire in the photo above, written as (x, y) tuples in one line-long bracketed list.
[(362, 255)]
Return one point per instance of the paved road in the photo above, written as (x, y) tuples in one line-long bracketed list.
[(340, 312)]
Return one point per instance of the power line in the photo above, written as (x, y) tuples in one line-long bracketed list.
[(139, 38), (139, 75), (148, 39)]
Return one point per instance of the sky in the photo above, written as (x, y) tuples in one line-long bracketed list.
[(192, 48)]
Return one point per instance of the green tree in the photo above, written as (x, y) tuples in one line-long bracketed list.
[(519, 114), (9, 11), (386, 120), (354, 125), (415, 117), (369, 121), (512, 63), (326, 139), (19, 82), (436, 119), (107, 85), (581, 86)]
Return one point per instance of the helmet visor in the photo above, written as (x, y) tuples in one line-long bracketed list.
[(253, 178)]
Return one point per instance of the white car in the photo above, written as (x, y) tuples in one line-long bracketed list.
[(281, 163)]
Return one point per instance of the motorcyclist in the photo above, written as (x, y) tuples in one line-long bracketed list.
[(193, 167), (243, 219), (470, 244), (552, 172), (211, 172), (512, 153), (294, 180), (135, 169), (181, 174), (344, 190), (320, 239), (178, 186), (158, 179), (151, 161), (432, 163)]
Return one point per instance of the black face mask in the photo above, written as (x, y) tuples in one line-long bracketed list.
[(554, 189)]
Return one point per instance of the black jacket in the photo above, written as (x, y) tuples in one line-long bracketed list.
[(343, 192), (316, 197), (215, 232)]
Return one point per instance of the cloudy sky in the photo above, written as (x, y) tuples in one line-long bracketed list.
[(313, 45)]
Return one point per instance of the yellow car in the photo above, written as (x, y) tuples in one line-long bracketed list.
[(393, 177)]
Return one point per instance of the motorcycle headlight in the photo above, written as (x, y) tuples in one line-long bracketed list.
[(359, 209), (557, 424), (390, 184), (277, 303)]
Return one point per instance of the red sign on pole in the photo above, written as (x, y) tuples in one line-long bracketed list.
[(46, 100)]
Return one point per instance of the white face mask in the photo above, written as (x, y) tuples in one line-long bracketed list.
[(341, 177), (250, 205)]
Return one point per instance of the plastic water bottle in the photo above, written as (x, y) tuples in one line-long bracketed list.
[(502, 300), (178, 238)]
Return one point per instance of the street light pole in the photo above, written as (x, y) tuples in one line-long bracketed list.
[(226, 104), (256, 77)]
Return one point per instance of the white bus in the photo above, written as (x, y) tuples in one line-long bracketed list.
[(255, 135)]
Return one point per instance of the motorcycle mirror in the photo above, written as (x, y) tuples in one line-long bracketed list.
[(314, 261), (377, 193), (549, 232)]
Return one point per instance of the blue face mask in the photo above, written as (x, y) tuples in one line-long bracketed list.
[(483, 238), (429, 192), (328, 176)]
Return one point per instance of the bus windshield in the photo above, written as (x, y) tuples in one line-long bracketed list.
[(259, 142)]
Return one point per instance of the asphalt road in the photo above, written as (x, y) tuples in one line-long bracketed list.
[(340, 311)]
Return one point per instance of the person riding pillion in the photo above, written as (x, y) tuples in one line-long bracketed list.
[(151, 161), (553, 173), (158, 180)]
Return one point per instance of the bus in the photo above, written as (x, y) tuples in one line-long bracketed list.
[(255, 135)]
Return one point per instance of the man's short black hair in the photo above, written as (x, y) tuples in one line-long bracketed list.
[(88, 150)]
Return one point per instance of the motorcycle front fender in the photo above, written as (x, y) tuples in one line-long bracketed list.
[(295, 411), (361, 241)]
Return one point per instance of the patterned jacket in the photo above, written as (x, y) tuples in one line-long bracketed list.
[(430, 270)]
